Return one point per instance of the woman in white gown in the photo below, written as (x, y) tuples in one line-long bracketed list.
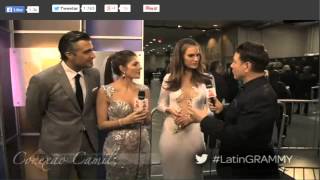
[(181, 139)]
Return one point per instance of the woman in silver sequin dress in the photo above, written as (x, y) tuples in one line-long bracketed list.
[(127, 145)]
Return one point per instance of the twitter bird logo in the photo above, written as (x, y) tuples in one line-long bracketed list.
[(201, 159)]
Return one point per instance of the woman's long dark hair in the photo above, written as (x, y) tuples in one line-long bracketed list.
[(113, 64), (177, 67)]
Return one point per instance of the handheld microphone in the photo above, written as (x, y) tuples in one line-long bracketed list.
[(211, 91), (141, 95), (141, 102)]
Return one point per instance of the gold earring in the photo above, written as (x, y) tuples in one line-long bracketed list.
[(123, 75)]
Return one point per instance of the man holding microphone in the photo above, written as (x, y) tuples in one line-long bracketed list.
[(246, 129)]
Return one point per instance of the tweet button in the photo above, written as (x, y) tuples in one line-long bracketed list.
[(58, 8)]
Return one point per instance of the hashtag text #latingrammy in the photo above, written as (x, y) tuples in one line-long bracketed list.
[(250, 159)]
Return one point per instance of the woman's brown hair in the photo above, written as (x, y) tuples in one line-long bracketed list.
[(177, 67), (113, 64)]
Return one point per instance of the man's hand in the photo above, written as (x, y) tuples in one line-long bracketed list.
[(217, 107)]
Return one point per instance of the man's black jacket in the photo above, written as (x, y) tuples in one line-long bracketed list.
[(247, 126), (248, 120)]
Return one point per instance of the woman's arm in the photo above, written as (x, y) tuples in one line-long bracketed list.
[(102, 114), (164, 99), (148, 96), (163, 102)]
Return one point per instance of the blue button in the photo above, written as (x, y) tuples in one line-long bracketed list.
[(15, 9), (55, 8)]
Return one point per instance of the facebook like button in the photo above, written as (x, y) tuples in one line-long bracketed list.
[(15, 9)]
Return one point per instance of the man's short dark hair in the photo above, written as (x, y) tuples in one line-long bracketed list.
[(255, 54), (67, 40)]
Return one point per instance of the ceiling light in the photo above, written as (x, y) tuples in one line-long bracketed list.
[(215, 25), (150, 42), (159, 41), (179, 26), (147, 45), (203, 30), (154, 39)]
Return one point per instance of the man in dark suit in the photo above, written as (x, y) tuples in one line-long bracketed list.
[(246, 130), (61, 105)]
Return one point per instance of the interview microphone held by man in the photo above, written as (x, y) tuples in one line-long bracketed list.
[(211, 92)]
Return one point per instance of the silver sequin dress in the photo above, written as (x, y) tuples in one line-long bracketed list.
[(127, 148)]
